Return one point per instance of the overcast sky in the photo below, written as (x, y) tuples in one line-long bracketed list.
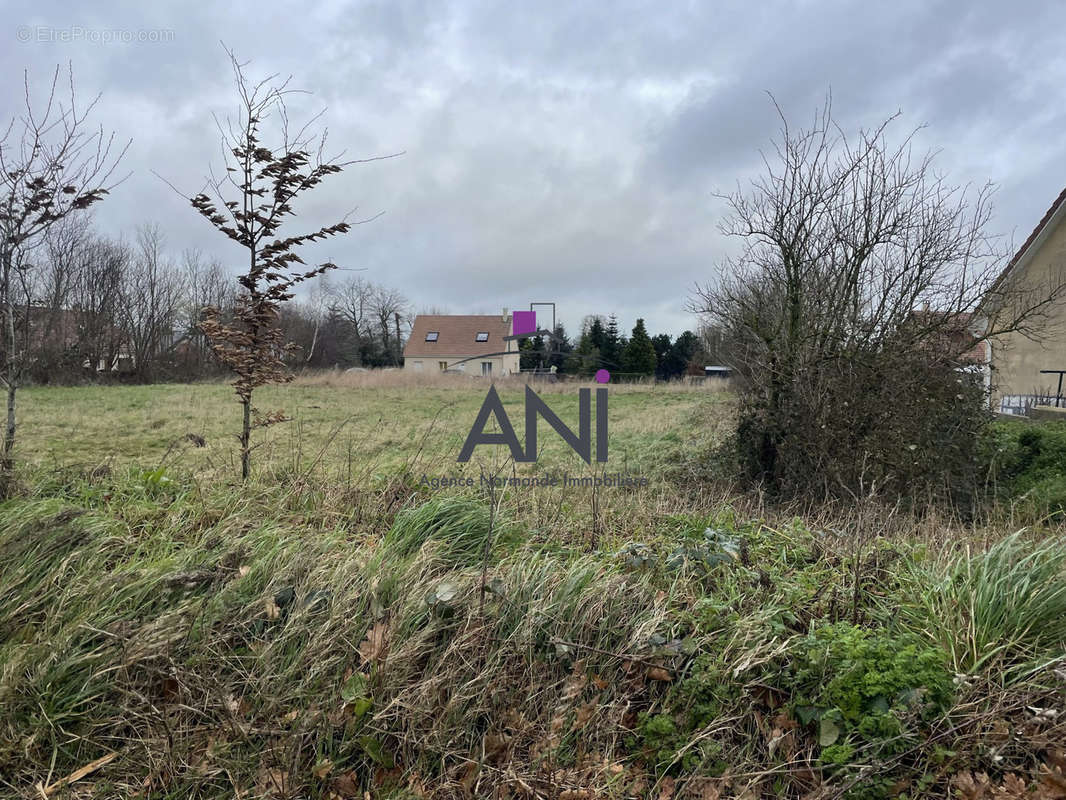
[(555, 150)]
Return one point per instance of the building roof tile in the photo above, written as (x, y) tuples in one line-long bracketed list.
[(457, 335)]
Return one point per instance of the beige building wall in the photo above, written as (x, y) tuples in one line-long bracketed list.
[(1016, 360), (501, 365)]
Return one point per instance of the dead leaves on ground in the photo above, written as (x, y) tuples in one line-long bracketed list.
[(376, 645), (273, 782), (271, 609), (1049, 784), (979, 786), (659, 674)]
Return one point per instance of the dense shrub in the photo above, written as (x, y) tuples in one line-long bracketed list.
[(848, 316), (895, 426), (1027, 463)]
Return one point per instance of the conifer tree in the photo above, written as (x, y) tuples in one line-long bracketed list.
[(639, 356)]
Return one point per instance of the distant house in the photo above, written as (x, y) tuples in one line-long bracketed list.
[(717, 371), (475, 344), (955, 337), (58, 338), (1017, 361)]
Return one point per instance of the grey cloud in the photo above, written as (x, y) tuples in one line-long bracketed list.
[(557, 150)]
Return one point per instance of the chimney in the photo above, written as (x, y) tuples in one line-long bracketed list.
[(504, 318)]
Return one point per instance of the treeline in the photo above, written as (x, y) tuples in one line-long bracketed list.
[(90, 307), (97, 308), (601, 345)]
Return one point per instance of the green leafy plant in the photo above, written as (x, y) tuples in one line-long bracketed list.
[(156, 481), (1028, 463), (670, 739), (866, 693)]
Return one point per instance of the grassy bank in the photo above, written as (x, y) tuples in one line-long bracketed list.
[(326, 632)]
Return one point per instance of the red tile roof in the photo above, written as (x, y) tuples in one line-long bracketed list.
[(457, 335), (952, 335), (976, 354)]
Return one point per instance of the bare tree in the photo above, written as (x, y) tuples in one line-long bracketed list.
[(64, 243), (388, 305), (50, 328), (851, 308), (150, 300), (355, 299), (253, 200), (96, 301), (52, 165), (316, 308), (206, 286)]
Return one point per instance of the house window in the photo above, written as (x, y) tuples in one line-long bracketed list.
[(443, 365), (418, 366), (486, 368), (431, 336), (482, 336)]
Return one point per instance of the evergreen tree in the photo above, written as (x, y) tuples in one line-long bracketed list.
[(597, 334), (639, 356), (611, 351), (661, 343), (684, 350), (585, 358), (530, 352), (559, 349)]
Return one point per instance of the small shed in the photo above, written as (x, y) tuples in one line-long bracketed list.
[(718, 372)]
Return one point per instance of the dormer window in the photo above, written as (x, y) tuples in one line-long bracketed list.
[(431, 336), (482, 336)]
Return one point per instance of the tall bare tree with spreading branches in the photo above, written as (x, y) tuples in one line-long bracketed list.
[(853, 313), (53, 164), (250, 204)]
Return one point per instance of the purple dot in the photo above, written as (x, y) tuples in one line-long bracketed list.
[(602, 376)]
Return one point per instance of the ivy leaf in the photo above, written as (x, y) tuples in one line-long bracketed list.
[(442, 595), (376, 750), (354, 687), (828, 732), (360, 706)]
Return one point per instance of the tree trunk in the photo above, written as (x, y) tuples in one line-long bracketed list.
[(7, 463), (246, 438), (9, 431)]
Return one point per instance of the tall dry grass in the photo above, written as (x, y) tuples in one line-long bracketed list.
[(391, 378), (325, 632)]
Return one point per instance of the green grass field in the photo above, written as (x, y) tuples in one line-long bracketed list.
[(334, 628), (379, 427)]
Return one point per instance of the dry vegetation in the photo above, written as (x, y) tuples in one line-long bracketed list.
[(335, 629)]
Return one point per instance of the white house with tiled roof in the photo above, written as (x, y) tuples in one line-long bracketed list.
[(475, 344)]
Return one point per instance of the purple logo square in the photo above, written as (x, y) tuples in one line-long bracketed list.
[(524, 322)]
